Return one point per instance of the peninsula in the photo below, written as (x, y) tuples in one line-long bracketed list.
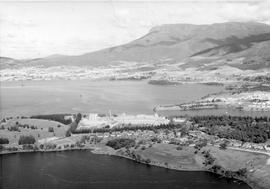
[(234, 147)]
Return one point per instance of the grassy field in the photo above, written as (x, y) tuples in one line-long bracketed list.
[(232, 160), (240, 159), (256, 164), (184, 159), (41, 131)]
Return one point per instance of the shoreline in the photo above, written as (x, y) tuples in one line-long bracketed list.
[(43, 151), (99, 151), (176, 168)]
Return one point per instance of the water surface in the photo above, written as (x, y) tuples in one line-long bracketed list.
[(82, 169), (64, 96)]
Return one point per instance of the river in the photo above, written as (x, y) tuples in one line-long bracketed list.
[(82, 169), (66, 96)]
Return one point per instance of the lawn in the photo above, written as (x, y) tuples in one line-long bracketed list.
[(180, 159), (240, 158)]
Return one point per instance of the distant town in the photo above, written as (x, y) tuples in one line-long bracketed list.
[(160, 74)]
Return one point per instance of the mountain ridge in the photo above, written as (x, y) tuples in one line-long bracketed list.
[(178, 42)]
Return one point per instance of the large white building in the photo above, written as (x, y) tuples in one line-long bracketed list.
[(153, 120), (94, 121)]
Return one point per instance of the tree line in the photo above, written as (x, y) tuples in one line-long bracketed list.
[(242, 128), (54, 117), (120, 143), (127, 128)]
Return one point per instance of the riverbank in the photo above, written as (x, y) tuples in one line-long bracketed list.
[(83, 169), (43, 151), (188, 159)]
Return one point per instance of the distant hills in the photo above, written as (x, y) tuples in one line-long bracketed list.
[(6, 62), (172, 43)]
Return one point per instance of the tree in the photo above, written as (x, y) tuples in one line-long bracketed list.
[(78, 118), (201, 144), (143, 148), (223, 146), (179, 147), (4, 141), (242, 172), (14, 128), (166, 164), (26, 140), (209, 159), (50, 146), (216, 168), (54, 117), (147, 161), (50, 129)]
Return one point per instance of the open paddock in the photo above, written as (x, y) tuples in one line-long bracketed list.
[(40, 129)]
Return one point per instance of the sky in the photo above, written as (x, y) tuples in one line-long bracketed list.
[(44, 28)]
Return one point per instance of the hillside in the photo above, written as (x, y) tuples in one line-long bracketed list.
[(180, 42), (6, 62)]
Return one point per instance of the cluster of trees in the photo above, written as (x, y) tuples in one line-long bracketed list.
[(259, 78), (242, 172), (54, 117), (155, 140), (4, 140), (26, 140), (120, 143), (73, 126), (50, 129), (209, 159), (223, 146), (5, 119), (257, 87), (92, 139), (128, 128), (139, 158), (27, 126), (179, 147), (49, 146), (52, 146), (14, 128), (17, 126), (246, 129), (85, 139), (30, 147), (11, 149), (200, 144), (7, 148)]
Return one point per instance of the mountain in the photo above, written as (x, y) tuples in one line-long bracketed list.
[(182, 42)]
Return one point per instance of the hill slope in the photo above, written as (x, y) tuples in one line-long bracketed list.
[(177, 42)]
